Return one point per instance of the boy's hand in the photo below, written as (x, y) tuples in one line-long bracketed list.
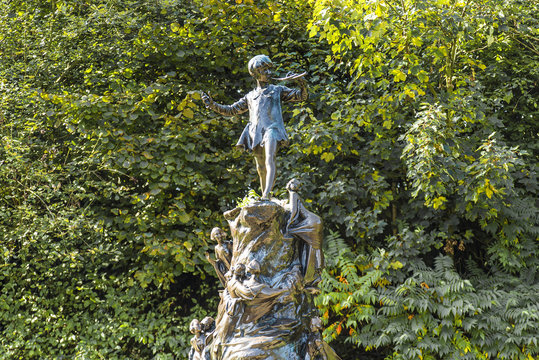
[(208, 101), (301, 81), (297, 78)]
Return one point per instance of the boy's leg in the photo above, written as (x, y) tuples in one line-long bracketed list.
[(258, 153), (270, 149)]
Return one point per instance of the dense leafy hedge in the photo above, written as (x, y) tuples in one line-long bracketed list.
[(417, 146), (441, 93)]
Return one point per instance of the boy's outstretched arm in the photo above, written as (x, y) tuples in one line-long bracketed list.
[(238, 107), (295, 95)]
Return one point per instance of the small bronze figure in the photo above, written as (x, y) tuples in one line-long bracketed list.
[(265, 131), (232, 310), (208, 327), (308, 227), (317, 348), (248, 289), (235, 285), (198, 341), (258, 289), (223, 254), (246, 299), (253, 268)]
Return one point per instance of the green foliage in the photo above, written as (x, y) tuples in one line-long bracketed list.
[(112, 174), (394, 299), (441, 240), (250, 197), (417, 147)]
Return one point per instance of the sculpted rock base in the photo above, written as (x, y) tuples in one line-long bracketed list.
[(269, 327), (266, 309)]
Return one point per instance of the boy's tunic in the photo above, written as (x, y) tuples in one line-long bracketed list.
[(265, 114)]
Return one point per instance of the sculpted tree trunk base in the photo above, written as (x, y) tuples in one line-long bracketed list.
[(267, 309)]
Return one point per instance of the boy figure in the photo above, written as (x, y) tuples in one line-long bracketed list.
[(265, 131), (223, 254), (198, 341)]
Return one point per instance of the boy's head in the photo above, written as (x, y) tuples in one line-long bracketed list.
[(293, 185), (217, 234), (316, 324), (207, 323), (259, 63), (239, 270), (254, 267), (194, 327)]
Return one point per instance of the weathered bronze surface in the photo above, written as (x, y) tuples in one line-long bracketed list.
[(306, 226), (223, 254), (265, 132), (266, 309), (203, 335), (317, 348)]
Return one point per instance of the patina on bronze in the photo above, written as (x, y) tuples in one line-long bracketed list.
[(203, 335), (267, 309), (223, 254), (265, 132), (306, 226), (317, 348)]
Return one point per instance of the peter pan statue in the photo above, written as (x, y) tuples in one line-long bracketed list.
[(265, 132)]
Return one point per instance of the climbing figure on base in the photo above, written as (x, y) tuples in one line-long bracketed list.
[(265, 132), (223, 254)]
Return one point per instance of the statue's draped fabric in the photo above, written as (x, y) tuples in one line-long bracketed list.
[(264, 312), (307, 226), (265, 114)]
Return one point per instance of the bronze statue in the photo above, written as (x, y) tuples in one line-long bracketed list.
[(223, 254), (317, 348), (265, 131), (266, 306), (198, 341), (307, 226), (271, 269), (203, 331)]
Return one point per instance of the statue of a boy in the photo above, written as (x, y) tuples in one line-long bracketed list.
[(265, 131)]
